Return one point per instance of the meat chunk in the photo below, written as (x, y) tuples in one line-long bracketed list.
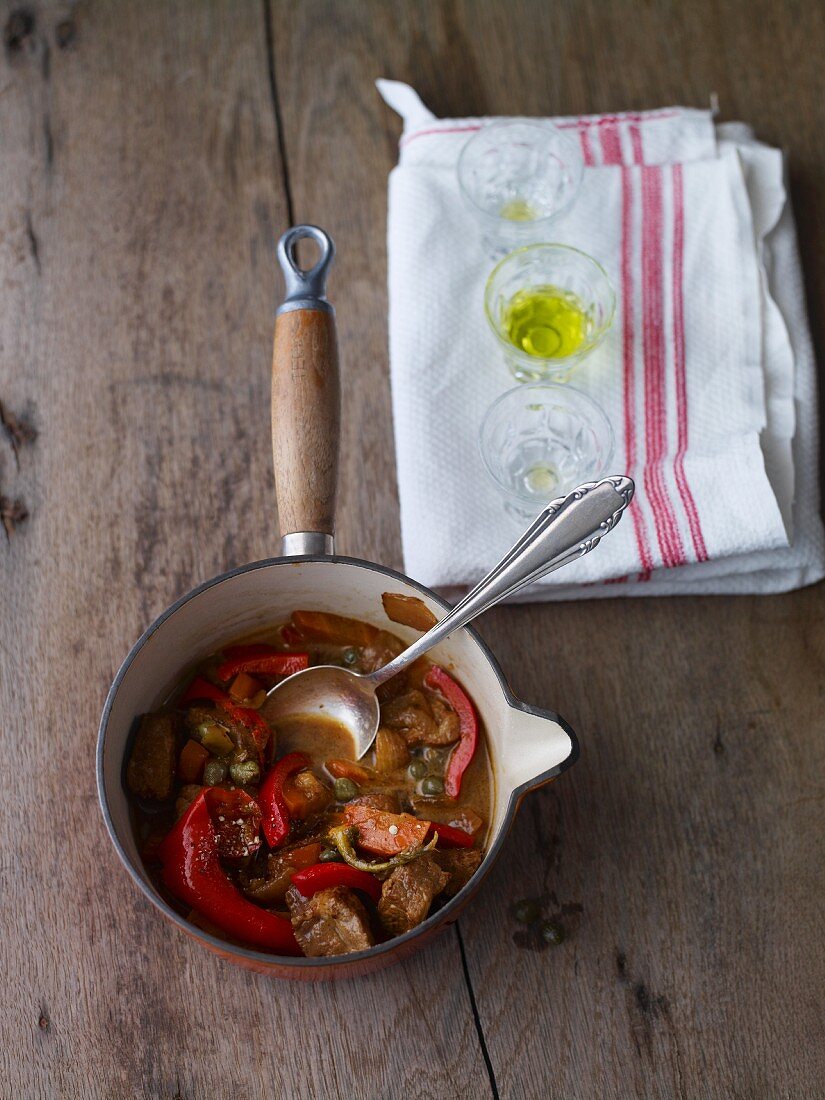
[(305, 794), (410, 715), (408, 893), (449, 727), (421, 721), (268, 883), (151, 769), (379, 651), (236, 819), (460, 864), (331, 922)]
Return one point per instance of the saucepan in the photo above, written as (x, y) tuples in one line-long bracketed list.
[(528, 747)]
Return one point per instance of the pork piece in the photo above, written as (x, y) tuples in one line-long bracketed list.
[(410, 715), (268, 883), (237, 823), (151, 769), (305, 794), (380, 651), (460, 864), (421, 720), (387, 802), (244, 746), (449, 727), (408, 893), (331, 922)]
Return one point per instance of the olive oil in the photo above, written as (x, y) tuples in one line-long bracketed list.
[(546, 321), (518, 210)]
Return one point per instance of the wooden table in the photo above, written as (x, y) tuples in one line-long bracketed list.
[(150, 154)]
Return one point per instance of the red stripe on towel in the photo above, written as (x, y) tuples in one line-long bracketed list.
[(653, 347), (611, 142), (573, 124), (626, 116), (584, 138), (639, 525), (679, 364), (406, 139), (636, 143)]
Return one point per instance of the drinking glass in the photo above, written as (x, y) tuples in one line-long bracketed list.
[(540, 441), (517, 178), (549, 306)]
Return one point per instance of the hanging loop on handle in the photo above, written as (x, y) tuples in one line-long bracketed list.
[(305, 289)]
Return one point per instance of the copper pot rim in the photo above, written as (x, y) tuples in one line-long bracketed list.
[(259, 959)]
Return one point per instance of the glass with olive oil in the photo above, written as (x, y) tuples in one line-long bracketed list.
[(549, 306), (546, 321), (517, 177)]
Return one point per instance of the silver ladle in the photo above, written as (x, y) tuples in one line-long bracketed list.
[(566, 530)]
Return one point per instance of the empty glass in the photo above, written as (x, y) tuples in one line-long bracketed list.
[(542, 440), (518, 177), (549, 306)]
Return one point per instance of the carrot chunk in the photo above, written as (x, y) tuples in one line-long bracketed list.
[(385, 834), (191, 761)]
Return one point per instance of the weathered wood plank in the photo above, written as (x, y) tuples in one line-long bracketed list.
[(141, 197), (141, 200), (684, 853)]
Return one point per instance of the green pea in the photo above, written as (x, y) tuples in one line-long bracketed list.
[(350, 656), (345, 790), (418, 769), (329, 855), (245, 773), (526, 911), (214, 772), (551, 932), (432, 785)]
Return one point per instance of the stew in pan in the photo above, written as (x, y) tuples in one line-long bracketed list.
[(276, 838)]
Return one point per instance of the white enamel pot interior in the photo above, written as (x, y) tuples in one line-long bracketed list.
[(527, 747)]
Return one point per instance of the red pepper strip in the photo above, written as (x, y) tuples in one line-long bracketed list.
[(449, 837), (261, 658), (290, 635), (324, 875), (271, 797), (438, 680), (193, 873), (200, 688)]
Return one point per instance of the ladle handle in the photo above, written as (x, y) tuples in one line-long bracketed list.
[(306, 399), (567, 529)]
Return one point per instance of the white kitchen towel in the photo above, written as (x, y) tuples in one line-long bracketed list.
[(707, 375)]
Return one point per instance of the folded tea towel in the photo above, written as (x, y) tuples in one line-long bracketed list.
[(707, 374)]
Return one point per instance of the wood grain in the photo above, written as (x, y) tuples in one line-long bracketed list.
[(141, 202), (306, 420), (684, 853), (143, 183)]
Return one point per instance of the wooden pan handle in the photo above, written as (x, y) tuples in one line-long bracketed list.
[(306, 413), (306, 393)]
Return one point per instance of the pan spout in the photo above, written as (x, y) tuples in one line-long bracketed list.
[(539, 747)]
